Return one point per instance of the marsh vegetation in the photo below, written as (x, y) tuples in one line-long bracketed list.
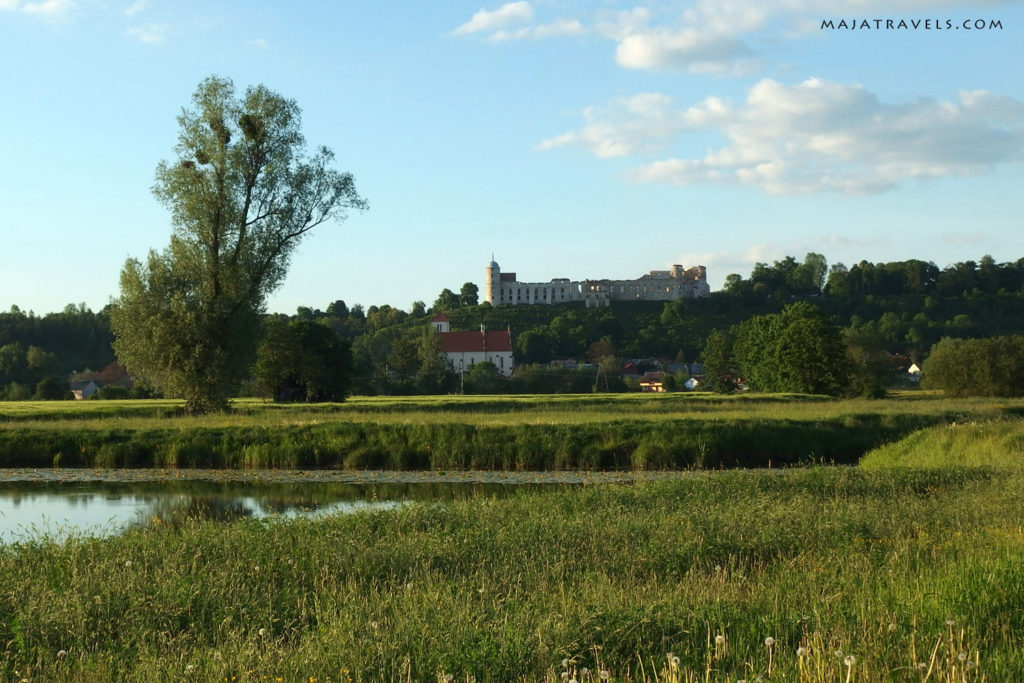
[(907, 568)]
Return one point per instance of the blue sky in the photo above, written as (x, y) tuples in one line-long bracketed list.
[(571, 139)]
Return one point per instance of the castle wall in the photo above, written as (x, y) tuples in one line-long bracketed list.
[(503, 289)]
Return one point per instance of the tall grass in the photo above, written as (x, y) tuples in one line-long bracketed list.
[(989, 444), (896, 569), (514, 433)]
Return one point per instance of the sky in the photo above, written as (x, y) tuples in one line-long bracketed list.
[(567, 138)]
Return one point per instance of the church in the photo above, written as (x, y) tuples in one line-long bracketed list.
[(466, 349)]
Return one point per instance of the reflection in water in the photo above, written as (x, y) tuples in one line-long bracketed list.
[(34, 509)]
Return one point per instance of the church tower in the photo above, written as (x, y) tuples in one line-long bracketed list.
[(492, 283)]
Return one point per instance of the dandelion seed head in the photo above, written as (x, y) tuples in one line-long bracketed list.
[(921, 666), (62, 654), (374, 625), (719, 639), (769, 641), (801, 651), (838, 653), (675, 661), (573, 680), (584, 672), (262, 632), (950, 622), (850, 660), (962, 656), (565, 663), (605, 675), (190, 668), (565, 675), (128, 564)]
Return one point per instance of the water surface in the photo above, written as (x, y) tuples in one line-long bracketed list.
[(59, 502)]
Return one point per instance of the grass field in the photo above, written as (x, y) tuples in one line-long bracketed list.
[(495, 433), (907, 568), (912, 574)]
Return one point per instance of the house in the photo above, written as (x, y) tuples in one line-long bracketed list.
[(84, 390), (691, 384), (653, 381), (466, 349)]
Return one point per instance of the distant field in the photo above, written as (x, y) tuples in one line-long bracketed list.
[(592, 431)]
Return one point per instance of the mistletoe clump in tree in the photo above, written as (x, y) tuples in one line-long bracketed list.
[(242, 193)]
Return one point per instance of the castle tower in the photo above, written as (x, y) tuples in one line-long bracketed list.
[(492, 283)]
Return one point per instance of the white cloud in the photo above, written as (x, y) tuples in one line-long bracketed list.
[(50, 9), (722, 37), (509, 13), (642, 123), (150, 33), (559, 27), (814, 136), (136, 7), (258, 42), (691, 48)]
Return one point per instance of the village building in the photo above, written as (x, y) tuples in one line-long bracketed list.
[(504, 289), (467, 348)]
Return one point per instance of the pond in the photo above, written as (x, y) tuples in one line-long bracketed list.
[(59, 502)]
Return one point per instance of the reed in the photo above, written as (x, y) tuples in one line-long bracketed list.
[(852, 575), (508, 433)]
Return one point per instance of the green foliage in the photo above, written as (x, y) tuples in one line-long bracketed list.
[(469, 295), (447, 301), (799, 350), (112, 393), (484, 378), (721, 373), (242, 194), (976, 367), (302, 361), (52, 389)]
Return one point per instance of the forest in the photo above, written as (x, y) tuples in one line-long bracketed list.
[(889, 315)]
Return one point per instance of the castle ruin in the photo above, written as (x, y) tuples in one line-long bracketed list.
[(503, 289)]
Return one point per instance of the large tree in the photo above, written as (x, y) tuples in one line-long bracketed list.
[(243, 192), (302, 360), (798, 350)]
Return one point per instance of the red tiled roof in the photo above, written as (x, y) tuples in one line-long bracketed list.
[(439, 318), (458, 342)]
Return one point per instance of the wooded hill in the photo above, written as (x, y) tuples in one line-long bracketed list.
[(902, 307)]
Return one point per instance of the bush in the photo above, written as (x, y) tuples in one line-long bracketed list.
[(976, 367)]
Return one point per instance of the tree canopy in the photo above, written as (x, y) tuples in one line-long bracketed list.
[(797, 350), (242, 194), (976, 367), (302, 361)]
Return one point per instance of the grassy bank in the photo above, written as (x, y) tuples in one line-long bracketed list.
[(505, 433), (896, 569), (996, 444)]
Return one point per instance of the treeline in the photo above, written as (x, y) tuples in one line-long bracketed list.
[(39, 353), (888, 315)]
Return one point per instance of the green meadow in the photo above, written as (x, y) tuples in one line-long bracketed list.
[(587, 432), (906, 567)]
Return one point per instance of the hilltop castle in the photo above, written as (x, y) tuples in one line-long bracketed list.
[(503, 289)]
